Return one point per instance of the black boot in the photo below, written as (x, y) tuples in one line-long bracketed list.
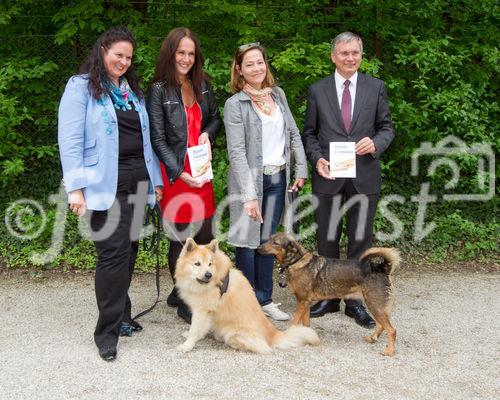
[(358, 312), (184, 312), (173, 299), (323, 307)]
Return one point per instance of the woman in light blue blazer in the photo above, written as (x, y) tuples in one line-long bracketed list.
[(109, 168)]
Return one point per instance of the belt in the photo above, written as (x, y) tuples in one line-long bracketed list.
[(273, 169)]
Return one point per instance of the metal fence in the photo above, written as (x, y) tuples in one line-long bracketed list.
[(68, 57)]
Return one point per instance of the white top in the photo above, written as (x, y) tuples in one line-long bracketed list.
[(339, 85), (273, 137)]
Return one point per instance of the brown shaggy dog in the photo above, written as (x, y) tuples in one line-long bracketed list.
[(312, 277), (224, 303)]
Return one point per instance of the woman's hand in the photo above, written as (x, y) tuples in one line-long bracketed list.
[(204, 138), (297, 185), (159, 193), (191, 182), (76, 201), (252, 209)]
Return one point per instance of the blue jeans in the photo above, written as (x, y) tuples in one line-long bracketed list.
[(257, 268)]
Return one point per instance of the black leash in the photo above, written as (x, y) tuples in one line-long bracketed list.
[(153, 216), (223, 286), (282, 279)]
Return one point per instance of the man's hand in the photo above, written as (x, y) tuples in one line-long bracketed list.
[(323, 169), (365, 146)]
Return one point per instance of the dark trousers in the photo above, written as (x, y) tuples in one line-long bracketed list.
[(330, 223), (116, 242), (258, 268), (202, 234)]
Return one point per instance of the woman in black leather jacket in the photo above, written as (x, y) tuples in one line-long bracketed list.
[(182, 113)]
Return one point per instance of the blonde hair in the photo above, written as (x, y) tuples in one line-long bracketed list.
[(237, 81)]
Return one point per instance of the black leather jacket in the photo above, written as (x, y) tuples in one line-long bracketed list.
[(168, 123)]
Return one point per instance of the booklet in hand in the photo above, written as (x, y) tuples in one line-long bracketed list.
[(201, 167), (342, 159)]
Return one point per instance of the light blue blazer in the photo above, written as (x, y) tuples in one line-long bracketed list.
[(88, 145)]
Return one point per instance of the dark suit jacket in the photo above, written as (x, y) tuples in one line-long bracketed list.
[(323, 124)]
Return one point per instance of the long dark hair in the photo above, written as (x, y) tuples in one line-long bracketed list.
[(94, 65), (165, 70)]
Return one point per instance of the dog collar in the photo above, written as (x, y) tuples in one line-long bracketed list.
[(224, 285), (291, 262), (282, 281)]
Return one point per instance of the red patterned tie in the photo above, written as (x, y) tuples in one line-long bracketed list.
[(346, 106)]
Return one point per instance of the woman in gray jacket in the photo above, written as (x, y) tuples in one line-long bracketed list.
[(262, 139)]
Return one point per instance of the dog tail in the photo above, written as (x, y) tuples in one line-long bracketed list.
[(390, 259), (295, 336)]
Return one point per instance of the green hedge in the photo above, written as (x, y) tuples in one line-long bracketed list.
[(439, 59)]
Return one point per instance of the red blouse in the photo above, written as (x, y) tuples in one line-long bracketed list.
[(181, 203)]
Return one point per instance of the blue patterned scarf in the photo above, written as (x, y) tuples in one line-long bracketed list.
[(121, 95)]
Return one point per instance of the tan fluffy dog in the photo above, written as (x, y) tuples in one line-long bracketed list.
[(224, 303)]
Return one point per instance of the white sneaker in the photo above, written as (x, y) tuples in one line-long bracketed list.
[(272, 311)]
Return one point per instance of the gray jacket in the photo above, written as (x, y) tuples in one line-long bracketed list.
[(244, 145)]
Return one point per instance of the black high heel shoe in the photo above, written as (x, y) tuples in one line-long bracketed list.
[(128, 328), (136, 326)]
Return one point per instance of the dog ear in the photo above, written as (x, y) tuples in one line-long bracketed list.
[(213, 246), (292, 246), (189, 246), (293, 251)]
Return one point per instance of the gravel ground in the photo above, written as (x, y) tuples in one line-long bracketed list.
[(447, 346)]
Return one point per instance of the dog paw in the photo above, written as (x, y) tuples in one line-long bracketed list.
[(388, 352), (370, 339), (185, 347)]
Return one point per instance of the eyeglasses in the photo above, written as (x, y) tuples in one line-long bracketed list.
[(247, 46), (345, 54)]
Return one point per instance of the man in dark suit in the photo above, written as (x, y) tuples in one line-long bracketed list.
[(346, 107)]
